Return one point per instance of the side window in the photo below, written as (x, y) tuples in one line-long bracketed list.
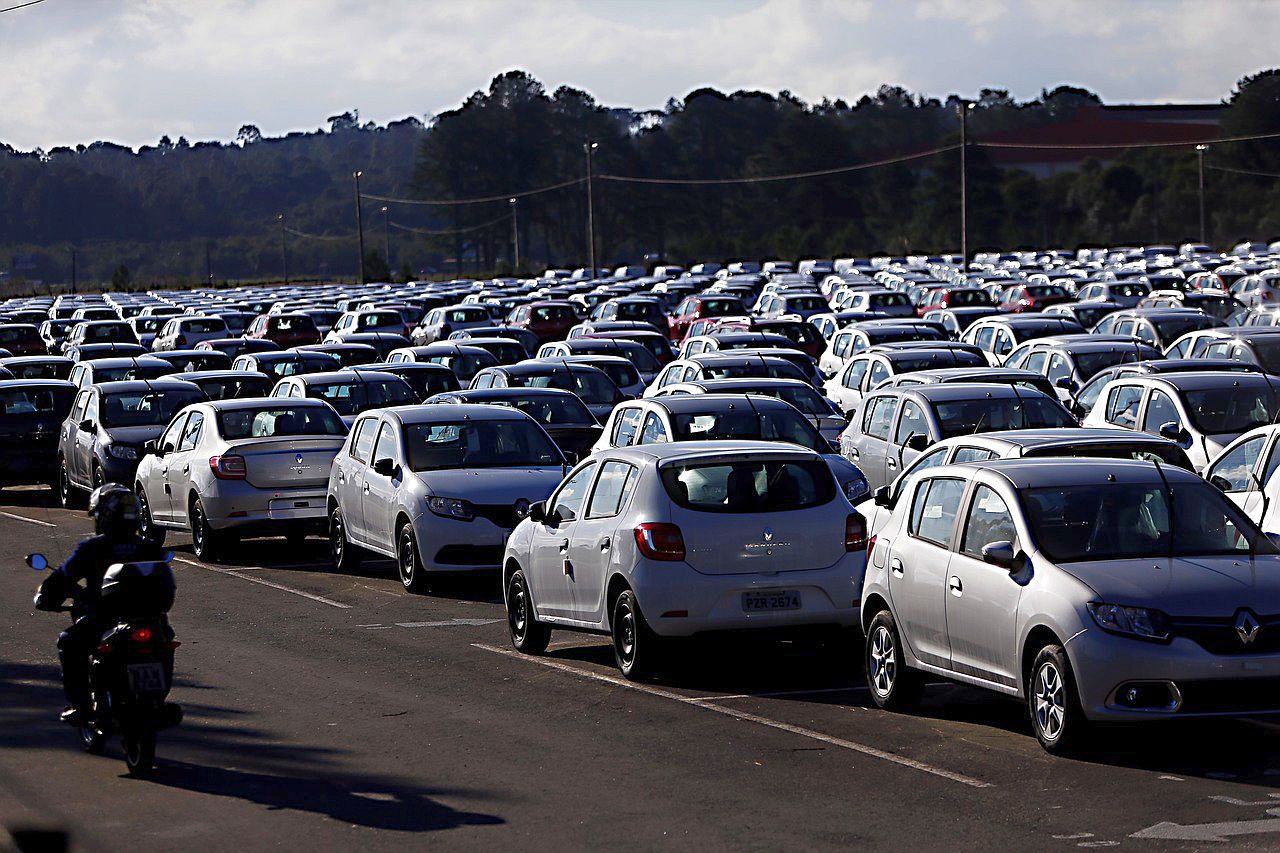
[(568, 501), (191, 435), (1036, 360), (933, 512), (879, 373), (169, 440), (911, 423), (613, 488), (281, 390), (1222, 349), (989, 521), (1122, 406), (362, 439), (91, 410), (1004, 342), (1160, 411), (1179, 350), (1144, 332), (654, 432), (386, 446), (986, 337), (77, 413), (624, 429), (1236, 466), (484, 380), (841, 347), (853, 374), (1059, 368), (879, 418)]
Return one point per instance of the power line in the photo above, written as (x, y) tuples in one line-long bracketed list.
[(21, 6), (1084, 146), (427, 233), (481, 200), (295, 232), (1243, 171)]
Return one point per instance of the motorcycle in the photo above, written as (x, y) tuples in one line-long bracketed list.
[(131, 668)]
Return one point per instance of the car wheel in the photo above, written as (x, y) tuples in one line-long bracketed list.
[(636, 649), (98, 479), (528, 635), (345, 556), (412, 574), (68, 495), (148, 530), (205, 541), (1053, 703), (893, 685)]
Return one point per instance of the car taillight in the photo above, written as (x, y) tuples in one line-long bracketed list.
[(660, 541), (141, 635), (855, 532), (228, 467)]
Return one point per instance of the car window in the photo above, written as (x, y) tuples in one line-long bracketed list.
[(879, 373), (933, 512), (749, 486), (386, 446), (853, 375), (624, 429), (613, 488), (191, 435), (972, 454), (1160, 411), (169, 440), (362, 439), (1236, 467), (1059, 368), (988, 521), (654, 432), (1035, 361), (911, 422), (1122, 406), (879, 418), (568, 501)]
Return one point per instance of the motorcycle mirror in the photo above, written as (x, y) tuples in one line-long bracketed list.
[(167, 556), (38, 562)]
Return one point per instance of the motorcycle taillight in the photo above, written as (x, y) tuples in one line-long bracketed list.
[(141, 635)]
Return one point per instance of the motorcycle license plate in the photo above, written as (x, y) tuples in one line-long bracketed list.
[(146, 678), (777, 599)]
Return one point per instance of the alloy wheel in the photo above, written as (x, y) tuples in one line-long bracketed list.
[(882, 661), (1050, 701)]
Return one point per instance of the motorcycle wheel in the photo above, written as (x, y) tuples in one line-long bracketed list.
[(92, 739), (140, 753)]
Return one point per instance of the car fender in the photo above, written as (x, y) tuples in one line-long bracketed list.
[(1053, 599)]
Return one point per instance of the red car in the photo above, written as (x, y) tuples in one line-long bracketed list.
[(285, 330), (954, 297), (549, 319), (22, 339), (695, 308), (1033, 297), (801, 332)]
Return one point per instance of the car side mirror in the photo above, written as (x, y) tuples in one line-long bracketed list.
[(384, 466), (152, 446), (918, 442), (538, 512), (562, 514), (1220, 482), (1065, 383), (39, 562), (88, 425), (1171, 430), (883, 497), (1002, 554)]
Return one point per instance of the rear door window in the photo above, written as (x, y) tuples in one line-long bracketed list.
[(1122, 406), (362, 439), (624, 431), (933, 512), (613, 489), (879, 418), (988, 521)]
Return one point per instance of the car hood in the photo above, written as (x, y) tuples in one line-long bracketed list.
[(134, 434), (493, 485), (1186, 586)]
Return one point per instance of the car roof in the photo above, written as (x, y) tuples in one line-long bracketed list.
[(679, 403), (503, 393), (1064, 436), (958, 374), (263, 403), (341, 376), (1194, 381), (678, 450), (438, 412), (37, 383), (125, 361), (1050, 472), (748, 384), (193, 375), (162, 383), (948, 391)]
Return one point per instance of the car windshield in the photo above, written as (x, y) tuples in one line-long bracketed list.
[(1089, 317), (1268, 353), (40, 370), (350, 398), (953, 358), (1129, 288), (36, 401), (1131, 521), (549, 411), (637, 311), (752, 370), (749, 486), (620, 374), (592, 388), (228, 389), (428, 383), (146, 324), (1089, 363), (109, 333), (479, 443), (965, 417), (205, 325), (145, 408), (748, 424), (1174, 328), (968, 297), (720, 307), (1230, 410), (131, 371), (272, 423)]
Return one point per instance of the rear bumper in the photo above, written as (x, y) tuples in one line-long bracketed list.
[(236, 505)]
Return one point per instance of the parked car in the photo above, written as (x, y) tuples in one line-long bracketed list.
[(281, 363), (233, 468), (235, 347), (22, 339), (348, 354), (1159, 327), (465, 361), (228, 384), (441, 323), (872, 367), (184, 332), (1088, 395), (37, 366), (31, 415), (561, 413), (285, 330), (97, 370), (676, 540), (820, 411), (349, 392), (195, 359), (425, 379), (720, 365), (88, 352), (375, 320)]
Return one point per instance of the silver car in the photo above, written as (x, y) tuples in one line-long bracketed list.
[(232, 468), (438, 488), (1095, 590)]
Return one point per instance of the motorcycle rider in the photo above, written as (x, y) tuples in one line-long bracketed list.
[(114, 510)]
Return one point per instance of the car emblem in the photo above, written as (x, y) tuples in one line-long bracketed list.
[(1247, 626), (299, 458), (768, 534)]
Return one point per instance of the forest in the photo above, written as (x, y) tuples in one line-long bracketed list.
[(255, 207)]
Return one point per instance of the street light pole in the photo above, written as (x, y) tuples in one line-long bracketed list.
[(590, 148), (515, 236), (359, 226), (1200, 149), (284, 251), (386, 236), (73, 269), (964, 107)]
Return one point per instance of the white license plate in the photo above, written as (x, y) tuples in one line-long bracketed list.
[(146, 678), (778, 599)]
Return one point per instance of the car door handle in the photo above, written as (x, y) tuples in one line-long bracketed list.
[(366, 488), (889, 463), (956, 587), (855, 453), (564, 546), (895, 565), (605, 543), (186, 469), (342, 478)]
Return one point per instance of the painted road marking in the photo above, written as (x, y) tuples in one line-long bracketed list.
[(28, 520), (1211, 831), (853, 746), (447, 623), (235, 573)]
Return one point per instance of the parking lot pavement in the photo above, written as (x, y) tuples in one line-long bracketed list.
[(336, 710)]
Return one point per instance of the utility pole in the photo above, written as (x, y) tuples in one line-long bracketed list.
[(73, 269), (386, 236), (284, 251), (208, 262), (590, 148), (1200, 149), (359, 226), (964, 107), (515, 236)]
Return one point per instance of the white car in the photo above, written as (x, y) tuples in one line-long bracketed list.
[(186, 331), (674, 540)]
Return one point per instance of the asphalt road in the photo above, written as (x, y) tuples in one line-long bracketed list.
[(330, 711)]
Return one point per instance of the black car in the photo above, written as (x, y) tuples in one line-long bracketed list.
[(38, 366), (427, 380), (561, 413), (31, 413), (229, 384)]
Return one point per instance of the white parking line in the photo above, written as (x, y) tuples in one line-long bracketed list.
[(744, 716), (238, 574), (29, 520)]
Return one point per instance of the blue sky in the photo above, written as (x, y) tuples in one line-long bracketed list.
[(132, 70)]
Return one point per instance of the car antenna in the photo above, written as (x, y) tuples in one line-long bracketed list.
[(1168, 490)]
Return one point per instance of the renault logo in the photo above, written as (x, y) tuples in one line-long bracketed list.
[(1247, 626), (299, 458), (768, 534)]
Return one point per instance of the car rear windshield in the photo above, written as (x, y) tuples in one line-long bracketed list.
[(479, 444), (548, 411), (206, 325), (1168, 454), (638, 311), (1215, 411), (131, 371), (752, 370), (36, 401), (889, 300), (749, 424), (1128, 521), (965, 417), (109, 333), (291, 324), (1090, 363), (428, 383), (804, 399), (145, 408), (591, 388), (380, 320), (1090, 317), (229, 389), (953, 358), (554, 312), (750, 486), (1129, 288), (968, 297), (1174, 328), (351, 398), (272, 423), (18, 334), (1268, 353), (720, 307)]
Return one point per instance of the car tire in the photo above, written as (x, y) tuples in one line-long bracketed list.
[(528, 635), (206, 542), (296, 538), (1053, 702), (68, 495), (894, 686), (636, 649), (346, 557), (412, 575), (148, 530)]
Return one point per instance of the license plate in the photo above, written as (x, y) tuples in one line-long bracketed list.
[(146, 678), (778, 599)]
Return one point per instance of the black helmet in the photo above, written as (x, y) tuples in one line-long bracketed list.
[(114, 510)]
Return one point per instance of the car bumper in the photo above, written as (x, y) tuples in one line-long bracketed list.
[(1176, 680), (118, 470), (236, 505), (680, 602), (452, 545)]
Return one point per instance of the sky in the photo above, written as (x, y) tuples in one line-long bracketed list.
[(131, 71)]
